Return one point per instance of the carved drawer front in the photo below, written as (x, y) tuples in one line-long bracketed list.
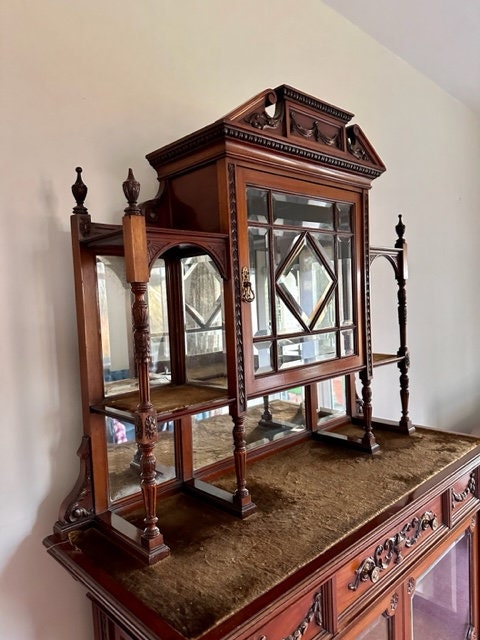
[(303, 620), (387, 553), (460, 496)]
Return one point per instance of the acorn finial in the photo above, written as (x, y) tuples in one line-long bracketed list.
[(79, 190), (131, 189)]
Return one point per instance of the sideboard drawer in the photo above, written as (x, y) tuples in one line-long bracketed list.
[(385, 555)]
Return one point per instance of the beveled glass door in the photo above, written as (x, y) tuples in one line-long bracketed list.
[(303, 256)]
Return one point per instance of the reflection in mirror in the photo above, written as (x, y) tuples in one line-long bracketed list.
[(115, 321), (123, 458), (332, 399), (295, 352), (275, 416), (268, 418), (302, 211), (211, 437), (115, 300), (204, 321), (158, 315), (259, 270)]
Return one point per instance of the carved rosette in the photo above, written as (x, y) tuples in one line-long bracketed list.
[(145, 427)]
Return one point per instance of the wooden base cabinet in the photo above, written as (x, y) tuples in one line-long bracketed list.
[(435, 600), (409, 573)]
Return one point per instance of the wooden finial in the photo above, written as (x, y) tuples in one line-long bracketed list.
[(79, 190), (400, 229), (131, 189)]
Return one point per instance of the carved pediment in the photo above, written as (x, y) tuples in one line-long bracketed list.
[(289, 122)]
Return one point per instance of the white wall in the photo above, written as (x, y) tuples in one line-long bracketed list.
[(100, 84)]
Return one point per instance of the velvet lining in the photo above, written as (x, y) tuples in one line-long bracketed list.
[(308, 498)]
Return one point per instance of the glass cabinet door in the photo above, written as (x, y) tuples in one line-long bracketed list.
[(441, 603), (379, 629)]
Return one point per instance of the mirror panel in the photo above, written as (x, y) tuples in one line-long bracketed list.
[(204, 321), (275, 416), (123, 457)]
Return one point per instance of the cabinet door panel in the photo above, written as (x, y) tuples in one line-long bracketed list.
[(441, 603)]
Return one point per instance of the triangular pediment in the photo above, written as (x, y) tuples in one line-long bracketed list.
[(291, 123)]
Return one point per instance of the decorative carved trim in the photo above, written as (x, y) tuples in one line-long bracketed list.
[(391, 549), (232, 195), (470, 488), (300, 152), (392, 607), (222, 130), (261, 120), (314, 613), (314, 132), (311, 102), (146, 428), (411, 586), (366, 270), (78, 505), (473, 522), (355, 148)]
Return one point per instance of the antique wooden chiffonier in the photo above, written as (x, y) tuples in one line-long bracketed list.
[(233, 482)]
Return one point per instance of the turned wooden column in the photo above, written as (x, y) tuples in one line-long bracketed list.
[(368, 440), (405, 423), (137, 274)]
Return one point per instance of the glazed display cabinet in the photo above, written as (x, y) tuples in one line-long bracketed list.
[(226, 323)]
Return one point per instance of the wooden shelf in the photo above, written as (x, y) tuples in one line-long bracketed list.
[(170, 401), (381, 359)]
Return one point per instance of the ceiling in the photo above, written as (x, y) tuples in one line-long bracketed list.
[(440, 38)]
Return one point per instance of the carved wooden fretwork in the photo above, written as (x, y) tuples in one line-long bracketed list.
[(391, 550), (313, 614)]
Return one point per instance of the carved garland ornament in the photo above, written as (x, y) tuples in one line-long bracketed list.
[(470, 488), (391, 549), (314, 132), (314, 613)]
